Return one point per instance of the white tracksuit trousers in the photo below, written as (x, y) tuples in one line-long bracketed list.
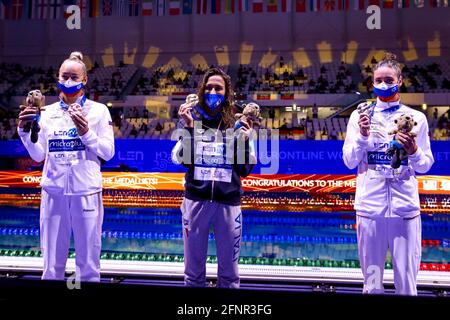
[(402, 236), (60, 215)]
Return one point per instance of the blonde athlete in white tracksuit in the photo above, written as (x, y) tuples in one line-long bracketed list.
[(387, 200), (71, 185)]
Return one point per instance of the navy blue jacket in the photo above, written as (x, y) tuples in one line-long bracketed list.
[(214, 172)]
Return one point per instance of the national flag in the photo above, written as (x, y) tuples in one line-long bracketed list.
[(202, 6), (263, 96), (272, 6), (287, 96), (94, 8), (300, 5), (438, 3), (174, 7), (147, 7), (6, 9), (55, 7), (403, 3), (215, 6), (2, 10), (359, 5), (329, 5), (120, 8), (161, 9), (229, 6), (187, 6), (41, 10), (83, 8), (257, 6), (15, 9), (27, 9), (343, 5), (286, 5), (314, 5), (12, 9), (244, 5), (107, 8), (133, 8), (388, 4)]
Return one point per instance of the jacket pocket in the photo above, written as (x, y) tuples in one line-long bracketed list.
[(405, 197)]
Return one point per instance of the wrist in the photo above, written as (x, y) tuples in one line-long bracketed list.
[(364, 134), (413, 151), (83, 132)]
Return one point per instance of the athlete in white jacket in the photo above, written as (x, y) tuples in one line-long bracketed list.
[(387, 200), (76, 133)]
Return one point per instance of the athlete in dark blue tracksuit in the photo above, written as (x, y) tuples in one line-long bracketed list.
[(216, 161)]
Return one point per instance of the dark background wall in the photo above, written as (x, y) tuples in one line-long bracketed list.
[(105, 39)]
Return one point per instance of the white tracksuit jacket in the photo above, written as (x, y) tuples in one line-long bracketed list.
[(72, 164), (381, 190)]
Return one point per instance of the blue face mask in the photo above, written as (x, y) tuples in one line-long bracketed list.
[(385, 90), (213, 100), (70, 87)]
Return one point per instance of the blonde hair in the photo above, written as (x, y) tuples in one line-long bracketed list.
[(77, 56), (389, 60)]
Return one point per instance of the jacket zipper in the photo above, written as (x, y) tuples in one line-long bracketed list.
[(214, 169), (212, 187), (388, 183)]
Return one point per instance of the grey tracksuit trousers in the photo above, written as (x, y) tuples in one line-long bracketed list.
[(198, 217)]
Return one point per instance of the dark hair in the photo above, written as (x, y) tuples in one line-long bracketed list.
[(389, 60), (228, 107)]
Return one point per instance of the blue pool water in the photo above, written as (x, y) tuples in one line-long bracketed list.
[(280, 235)]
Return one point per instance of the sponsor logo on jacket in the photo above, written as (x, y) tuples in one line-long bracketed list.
[(59, 145)]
